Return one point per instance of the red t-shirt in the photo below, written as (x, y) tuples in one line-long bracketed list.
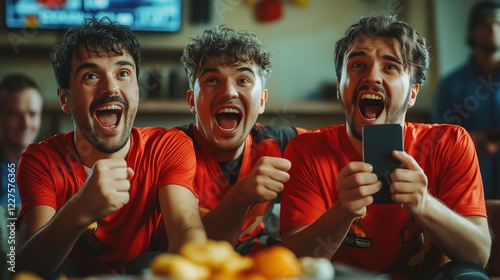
[(211, 185), (50, 173), (387, 240)]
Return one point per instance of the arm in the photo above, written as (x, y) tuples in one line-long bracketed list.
[(43, 230), (355, 184), (181, 217), (263, 183), (409, 188)]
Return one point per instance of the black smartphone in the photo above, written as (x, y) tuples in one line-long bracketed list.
[(379, 140)]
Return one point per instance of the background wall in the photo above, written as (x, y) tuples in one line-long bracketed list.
[(451, 25), (301, 41)]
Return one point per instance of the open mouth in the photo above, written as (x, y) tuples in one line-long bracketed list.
[(109, 115), (371, 106), (228, 119)]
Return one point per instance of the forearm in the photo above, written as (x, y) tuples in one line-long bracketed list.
[(459, 238), (321, 238), (224, 222), (45, 250), (181, 216)]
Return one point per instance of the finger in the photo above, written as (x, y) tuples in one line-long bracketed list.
[(130, 172), (408, 161), (278, 175), (121, 199), (117, 173), (361, 192), (122, 185), (108, 164), (277, 162), (355, 167)]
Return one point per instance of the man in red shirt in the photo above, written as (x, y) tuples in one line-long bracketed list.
[(240, 169), (93, 199), (438, 212)]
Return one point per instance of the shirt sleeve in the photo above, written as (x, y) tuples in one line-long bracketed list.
[(35, 182), (179, 162), (302, 201)]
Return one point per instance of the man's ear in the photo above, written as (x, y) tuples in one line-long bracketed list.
[(263, 99), (190, 101), (64, 100), (338, 89), (413, 94)]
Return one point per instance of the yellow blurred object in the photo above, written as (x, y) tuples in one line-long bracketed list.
[(218, 259), (276, 262), (177, 267), (210, 253), (93, 227), (24, 275), (301, 3)]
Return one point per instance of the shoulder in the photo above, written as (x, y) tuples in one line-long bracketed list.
[(461, 75), (427, 129), (59, 143), (463, 70), (268, 131), (159, 136), (319, 136), (282, 134), (428, 138), (158, 133)]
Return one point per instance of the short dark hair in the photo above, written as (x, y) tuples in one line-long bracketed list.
[(16, 82), (95, 36), (413, 46), (479, 13), (230, 45)]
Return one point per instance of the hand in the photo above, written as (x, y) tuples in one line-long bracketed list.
[(265, 180), (356, 184), (409, 184), (106, 188)]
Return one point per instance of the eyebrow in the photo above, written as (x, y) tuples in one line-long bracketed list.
[(216, 70), (95, 66), (385, 57)]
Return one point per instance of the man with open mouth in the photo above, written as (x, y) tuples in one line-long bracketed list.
[(95, 198), (327, 205), (240, 169)]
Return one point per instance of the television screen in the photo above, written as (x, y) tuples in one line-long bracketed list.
[(140, 15)]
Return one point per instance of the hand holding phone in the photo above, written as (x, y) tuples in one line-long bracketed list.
[(379, 140)]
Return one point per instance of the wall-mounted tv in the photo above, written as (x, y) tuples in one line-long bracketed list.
[(140, 15)]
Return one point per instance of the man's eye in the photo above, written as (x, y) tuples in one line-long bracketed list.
[(90, 76), (244, 81), (358, 65), (124, 73), (392, 67)]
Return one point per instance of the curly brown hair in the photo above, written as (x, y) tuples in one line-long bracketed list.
[(230, 46)]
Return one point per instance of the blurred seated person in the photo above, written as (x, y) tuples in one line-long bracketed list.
[(20, 119), (470, 97)]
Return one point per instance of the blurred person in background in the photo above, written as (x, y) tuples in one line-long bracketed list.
[(470, 97), (20, 119)]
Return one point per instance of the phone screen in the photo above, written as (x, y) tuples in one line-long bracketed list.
[(379, 140)]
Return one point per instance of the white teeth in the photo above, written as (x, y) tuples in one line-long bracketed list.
[(109, 107), (226, 129), (370, 96), (228, 110)]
